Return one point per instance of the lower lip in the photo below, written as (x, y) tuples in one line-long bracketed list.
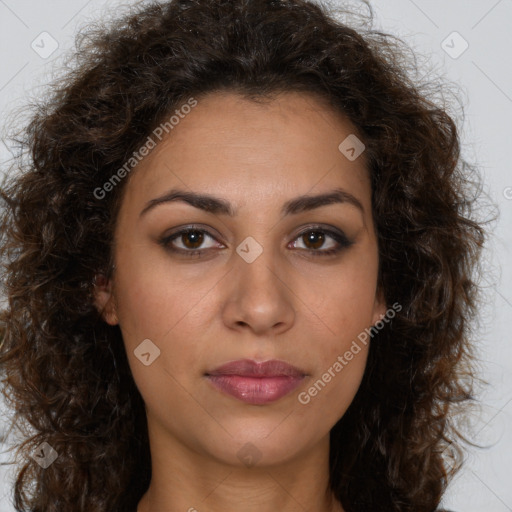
[(255, 390)]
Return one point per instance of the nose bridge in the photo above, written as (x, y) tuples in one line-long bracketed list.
[(257, 264), (260, 297)]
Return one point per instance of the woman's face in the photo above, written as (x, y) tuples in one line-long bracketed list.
[(279, 277)]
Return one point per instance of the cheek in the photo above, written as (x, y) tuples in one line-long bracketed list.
[(162, 311), (339, 347), (343, 308), (153, 298), (341, 301)]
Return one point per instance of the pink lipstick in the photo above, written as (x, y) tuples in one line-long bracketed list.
[(256, 383)]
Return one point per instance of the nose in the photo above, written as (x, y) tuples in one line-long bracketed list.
[(258, 298)]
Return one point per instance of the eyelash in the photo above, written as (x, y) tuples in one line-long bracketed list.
[(340, 238)]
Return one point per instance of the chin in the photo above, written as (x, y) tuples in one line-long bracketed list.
[(258, 447)]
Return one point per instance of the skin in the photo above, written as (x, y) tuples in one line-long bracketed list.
[(204, 311)]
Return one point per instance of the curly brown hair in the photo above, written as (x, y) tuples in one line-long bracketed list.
[(65, 371)]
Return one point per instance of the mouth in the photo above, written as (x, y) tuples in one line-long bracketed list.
[(256, 383)]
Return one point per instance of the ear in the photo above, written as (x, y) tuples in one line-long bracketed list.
[(379, 307), (104, 299)]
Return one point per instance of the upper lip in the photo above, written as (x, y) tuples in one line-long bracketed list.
[(250, 368)]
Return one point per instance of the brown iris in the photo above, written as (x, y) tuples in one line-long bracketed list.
[(317, 238), (195, 237)]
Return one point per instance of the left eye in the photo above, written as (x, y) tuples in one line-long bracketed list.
[(193, 238), (317, 239)]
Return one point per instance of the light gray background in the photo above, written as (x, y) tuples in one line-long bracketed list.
[(484, 73)]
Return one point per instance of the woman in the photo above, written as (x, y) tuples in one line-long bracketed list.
[(238, 265)]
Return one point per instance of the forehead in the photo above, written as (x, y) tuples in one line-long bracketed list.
[(227, 143)]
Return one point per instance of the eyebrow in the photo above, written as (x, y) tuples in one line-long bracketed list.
[(219, 206)]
